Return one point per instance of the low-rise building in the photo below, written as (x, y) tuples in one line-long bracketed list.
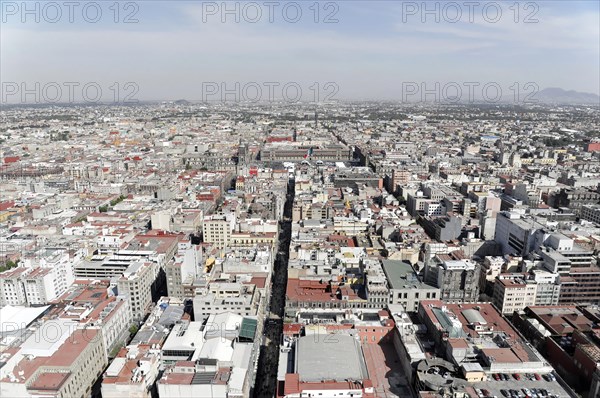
[(568, 337), (477, 332), (212, 360), (66, 365), (132, 373), (242, 299), (317, 372), (404, 285)]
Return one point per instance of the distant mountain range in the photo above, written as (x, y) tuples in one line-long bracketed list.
[(554, 95)]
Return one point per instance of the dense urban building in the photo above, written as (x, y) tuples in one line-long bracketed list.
[(367, 250)]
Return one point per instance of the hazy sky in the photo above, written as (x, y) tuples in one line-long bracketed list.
[(177, 48)]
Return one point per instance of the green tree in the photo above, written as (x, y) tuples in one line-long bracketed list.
[(117, 200), (133, 329), (8, 265)]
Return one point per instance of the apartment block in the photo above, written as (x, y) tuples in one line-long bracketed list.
[(136, 284), (65, 366), (237, 298), (184, 268), (217, 230), (12, 289), (581, 286), (513, 293), (404, 285), (458, 280)]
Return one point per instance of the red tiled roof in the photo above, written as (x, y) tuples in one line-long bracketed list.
[(310, 290), (177, 378), (49, 381), (292, 383), (6, 205), (292, 328), (64, 356), (260, 282)]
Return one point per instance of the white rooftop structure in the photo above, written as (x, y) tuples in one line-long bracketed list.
[(216, 348), (459, 264), (14, 318), (48, 337), (224, 326), (185, 337), (116, 366)]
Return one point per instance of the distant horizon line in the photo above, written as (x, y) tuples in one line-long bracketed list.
[(290, 103), (529, 99)]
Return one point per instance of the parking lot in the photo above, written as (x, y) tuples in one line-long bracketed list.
[(495, 387)]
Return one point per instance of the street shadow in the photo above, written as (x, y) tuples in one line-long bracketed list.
[(395, 375)]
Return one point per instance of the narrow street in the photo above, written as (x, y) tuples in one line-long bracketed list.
[(266, 378)]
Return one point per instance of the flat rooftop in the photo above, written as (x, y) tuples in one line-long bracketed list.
[(330, 357), (468, 316), (401, 275)]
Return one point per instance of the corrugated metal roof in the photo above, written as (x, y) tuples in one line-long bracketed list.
[(248, 328), (473, 316)]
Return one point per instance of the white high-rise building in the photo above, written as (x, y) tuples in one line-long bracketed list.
[(184, 268), (12, 291), (217, 229), (42, 278), (136, 285)]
